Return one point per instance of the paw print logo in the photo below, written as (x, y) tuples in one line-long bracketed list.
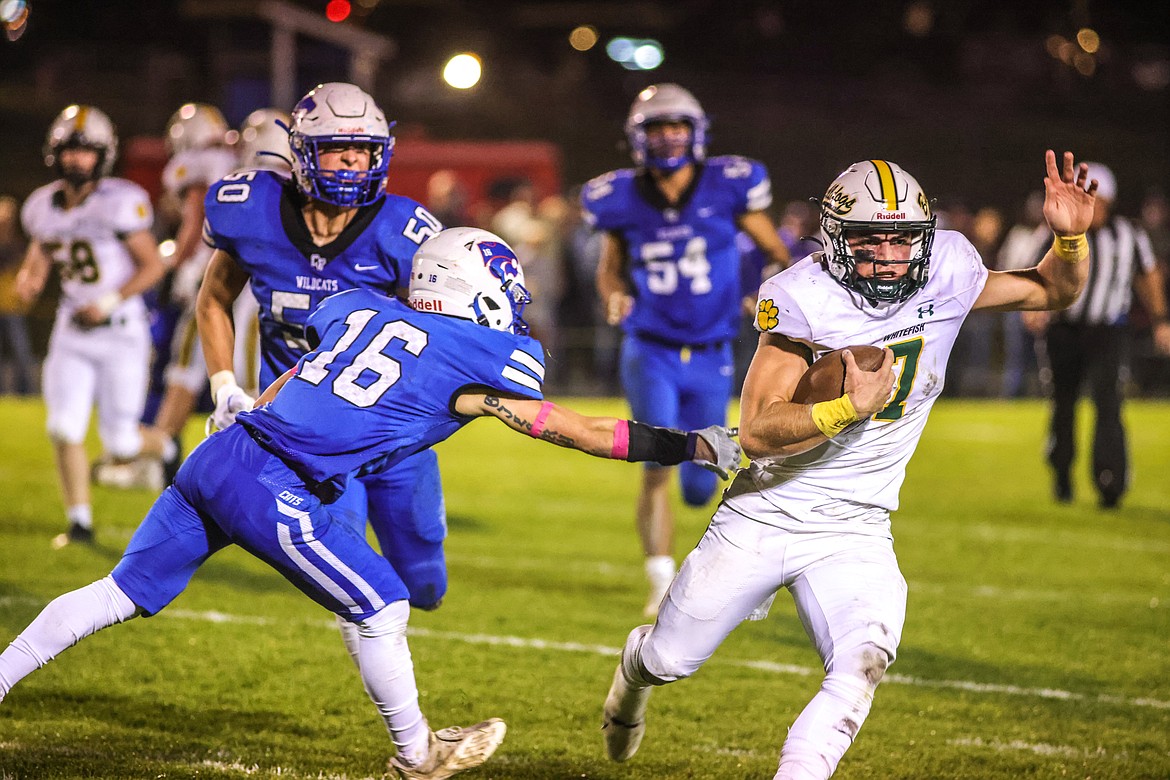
[(767, 315)]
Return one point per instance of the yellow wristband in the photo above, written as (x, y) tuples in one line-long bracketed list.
[(832, 417), (1071, 249)]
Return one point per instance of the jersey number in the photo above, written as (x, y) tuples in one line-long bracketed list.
[(664, 270), (298, 302), (238, 192), (906, 356), (385, 369), (77, 263), (421, 232)]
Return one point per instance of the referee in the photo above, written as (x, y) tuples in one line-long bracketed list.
[(1088, 343)]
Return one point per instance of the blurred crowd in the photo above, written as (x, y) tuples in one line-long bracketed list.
[(997, 355)]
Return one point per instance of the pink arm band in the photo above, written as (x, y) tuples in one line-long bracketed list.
[(621, 440), (538, 424)]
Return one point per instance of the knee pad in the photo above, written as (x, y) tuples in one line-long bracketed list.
[(426, 584), (698, 484), (388, 621), (60, 433), (866, 662)]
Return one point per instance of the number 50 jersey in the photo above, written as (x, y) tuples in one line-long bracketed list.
[(255, 216), (683, 261)]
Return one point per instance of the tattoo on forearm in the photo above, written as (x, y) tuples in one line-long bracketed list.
[(547, 434)]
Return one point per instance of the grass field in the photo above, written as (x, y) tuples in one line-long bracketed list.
[(1037, 643)]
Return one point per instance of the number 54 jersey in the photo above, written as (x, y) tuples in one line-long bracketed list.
[(255, 216), (852, 481), (683, 261), (381, 385)]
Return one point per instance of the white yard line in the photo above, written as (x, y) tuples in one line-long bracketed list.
[(763, 666)]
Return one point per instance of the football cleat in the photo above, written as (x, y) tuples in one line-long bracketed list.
[(623, 721), (138, 474), (453, 750), (77, 534)]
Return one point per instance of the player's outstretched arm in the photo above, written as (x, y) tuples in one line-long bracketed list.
[(606, 437), (1069, 198), (33, 273)]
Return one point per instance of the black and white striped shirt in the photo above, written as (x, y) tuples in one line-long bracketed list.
[(1119, 251)]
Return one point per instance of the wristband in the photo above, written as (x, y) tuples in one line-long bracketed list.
[(832, 417), (1071, 249), (541, 416), (664, 446), (107, 302), (621, 440), (220, 379)]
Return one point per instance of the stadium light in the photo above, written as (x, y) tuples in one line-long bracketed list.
[(463, 71), (337, 10), (635, 54), (583, 38)]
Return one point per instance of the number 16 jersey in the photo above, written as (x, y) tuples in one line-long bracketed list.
[(255, 216)]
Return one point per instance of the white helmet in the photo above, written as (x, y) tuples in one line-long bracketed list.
[(876, 196), (264, 140), (666, 103), (87, 127), (472, 274), (195, 126), (339, 113)]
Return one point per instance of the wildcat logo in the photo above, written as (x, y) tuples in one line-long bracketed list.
[(318, 261), (838, 201), (499, 259)]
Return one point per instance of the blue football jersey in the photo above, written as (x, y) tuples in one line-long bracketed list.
[(381, 385), (256, 217), (683, 261)]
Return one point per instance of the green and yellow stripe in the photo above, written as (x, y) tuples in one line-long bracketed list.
[(886, 181)]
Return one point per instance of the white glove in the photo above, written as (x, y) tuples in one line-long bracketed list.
[(727, 450), (230, 400)]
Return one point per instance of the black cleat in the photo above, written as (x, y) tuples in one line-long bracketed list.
[(171, 466), (77, 534)]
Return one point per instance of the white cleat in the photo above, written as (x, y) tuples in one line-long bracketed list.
[(657, 594), (137, 474), (453, 750), (623, 720)]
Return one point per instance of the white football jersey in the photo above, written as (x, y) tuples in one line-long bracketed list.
[(855, 477), (196, 168), (86, 242)]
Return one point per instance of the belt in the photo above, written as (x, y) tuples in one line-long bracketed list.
[(118, 319), (684, 350)]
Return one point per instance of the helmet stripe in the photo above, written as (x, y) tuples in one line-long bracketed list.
[(886, 180), (79, 120)]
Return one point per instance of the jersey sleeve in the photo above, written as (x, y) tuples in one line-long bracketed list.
[(131, 209), (778, 312), (603, 202), (748, 180), (520, 371), (219, 217), (406, 226)]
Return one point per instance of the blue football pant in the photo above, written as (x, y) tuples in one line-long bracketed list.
[(675, 388), (231, 491)]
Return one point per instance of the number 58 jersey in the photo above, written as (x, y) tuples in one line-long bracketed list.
[(381, 385), (683, 260), (255, 216)]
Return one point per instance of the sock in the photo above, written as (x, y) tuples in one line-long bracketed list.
[(388, 674), (170, 450), (63, 623), (80, 514), (825, 729), (660, 571)]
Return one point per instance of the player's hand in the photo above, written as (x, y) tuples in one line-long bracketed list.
[(1068, 195), (717, 451), (90, 317), (869, 391), (230, 400), (1162, 337), (618, 307)]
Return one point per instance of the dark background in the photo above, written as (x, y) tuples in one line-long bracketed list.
[(808, 87)]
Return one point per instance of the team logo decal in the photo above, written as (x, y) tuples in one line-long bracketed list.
[(838, 201), (767, 315), (318, 261), (499, 259), (924, 204)]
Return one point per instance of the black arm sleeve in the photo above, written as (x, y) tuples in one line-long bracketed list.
[(665, 446)]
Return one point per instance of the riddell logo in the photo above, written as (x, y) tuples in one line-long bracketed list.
[(897, 215), (425, 305), (355, 130)]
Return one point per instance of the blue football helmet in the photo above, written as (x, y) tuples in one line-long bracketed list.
[(332, 114)]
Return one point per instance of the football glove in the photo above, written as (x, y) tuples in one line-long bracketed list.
[(230, 400), (727, 450)]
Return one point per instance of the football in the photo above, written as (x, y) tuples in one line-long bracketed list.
[(825, 379)]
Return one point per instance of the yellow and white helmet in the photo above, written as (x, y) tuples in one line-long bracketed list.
[(264, 140), (87, 127), (195, 126), (876, 196)]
